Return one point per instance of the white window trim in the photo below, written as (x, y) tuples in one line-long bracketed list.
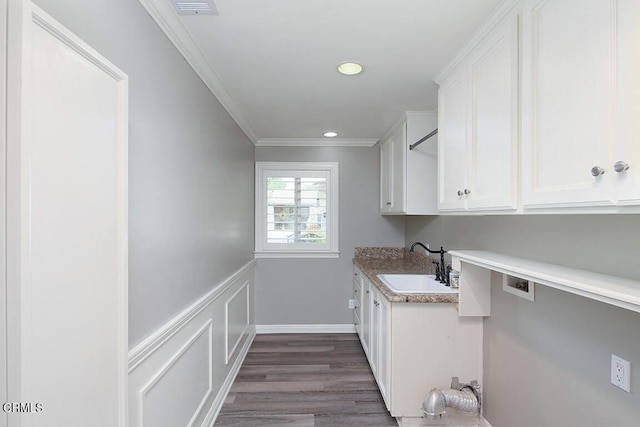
[(262, 171)]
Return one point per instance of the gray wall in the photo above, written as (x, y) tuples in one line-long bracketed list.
[(547, 363), (190, 166), (316, 291)]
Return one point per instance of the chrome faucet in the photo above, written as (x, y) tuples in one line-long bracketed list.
[(441, 270)]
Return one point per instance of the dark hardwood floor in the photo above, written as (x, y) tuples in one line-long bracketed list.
[(305, 380)]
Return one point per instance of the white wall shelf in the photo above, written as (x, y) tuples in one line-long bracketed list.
[(475, 281)]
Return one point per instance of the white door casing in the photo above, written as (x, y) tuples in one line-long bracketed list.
[(67, 226)]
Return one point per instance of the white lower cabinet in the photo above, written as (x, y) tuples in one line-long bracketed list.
[(357, 296), (413, 347), (365, 330), (380, 329)]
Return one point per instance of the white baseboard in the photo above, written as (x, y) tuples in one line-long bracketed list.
[(306, 329), (422, 422), (484, 422)]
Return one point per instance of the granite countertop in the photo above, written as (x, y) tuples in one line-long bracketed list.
[(374, 261)]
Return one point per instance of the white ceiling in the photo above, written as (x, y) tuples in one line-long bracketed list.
[(273, 62)]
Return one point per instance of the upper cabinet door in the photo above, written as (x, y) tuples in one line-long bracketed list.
[(398, 169), (392, 172), (627, 154), (493, 79), (568, 102), (386, 176), (452, 141)]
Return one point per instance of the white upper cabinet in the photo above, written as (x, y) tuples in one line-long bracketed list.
[(478, 125), (580, 102), (627, 147), (493, 136), (452, 147), (408, 177)]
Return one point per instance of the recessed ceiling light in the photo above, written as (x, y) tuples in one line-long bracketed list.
[(330, 134), (349, 68)]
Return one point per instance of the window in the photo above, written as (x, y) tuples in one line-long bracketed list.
[(296, 209)]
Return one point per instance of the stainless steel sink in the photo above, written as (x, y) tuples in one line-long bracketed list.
[(415, 284)]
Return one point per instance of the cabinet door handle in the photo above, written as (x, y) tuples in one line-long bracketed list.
[(460, 193), (597, 171), (620, 166), (467, 191), (388, 203), (367, 292)]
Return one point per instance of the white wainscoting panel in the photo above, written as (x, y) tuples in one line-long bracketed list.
[(180, 375), (237, 320), (166, 387)]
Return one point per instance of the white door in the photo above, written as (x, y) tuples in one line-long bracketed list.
[(67, 227), (3, 283), (452, 141), (567, 126), (493, 73)]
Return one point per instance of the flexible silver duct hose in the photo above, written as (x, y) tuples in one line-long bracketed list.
[(465, 399)]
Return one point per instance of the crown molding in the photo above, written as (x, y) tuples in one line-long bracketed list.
[(316, 142), (502, 11), (169, 22)]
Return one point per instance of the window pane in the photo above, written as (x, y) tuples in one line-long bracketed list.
[(296, 210)]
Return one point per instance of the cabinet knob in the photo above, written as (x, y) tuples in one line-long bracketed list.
[(597, 171), (620, 166), (388, 203), (367, 291), (460, 193), (467, 191)]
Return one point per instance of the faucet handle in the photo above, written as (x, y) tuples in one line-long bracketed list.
[(438, 273)]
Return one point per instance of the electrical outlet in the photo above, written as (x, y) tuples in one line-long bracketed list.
[(352, 304), (621, 373)]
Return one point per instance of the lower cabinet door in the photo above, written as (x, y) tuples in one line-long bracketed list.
[(373, 345), (383, 318), (365, 311)]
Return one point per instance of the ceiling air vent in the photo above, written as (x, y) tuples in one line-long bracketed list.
[(196, 7)]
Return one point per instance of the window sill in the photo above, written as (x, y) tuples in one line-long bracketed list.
[(296, 254)]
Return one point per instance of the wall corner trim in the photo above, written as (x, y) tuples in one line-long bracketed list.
[(150, 344), (348, 328)]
